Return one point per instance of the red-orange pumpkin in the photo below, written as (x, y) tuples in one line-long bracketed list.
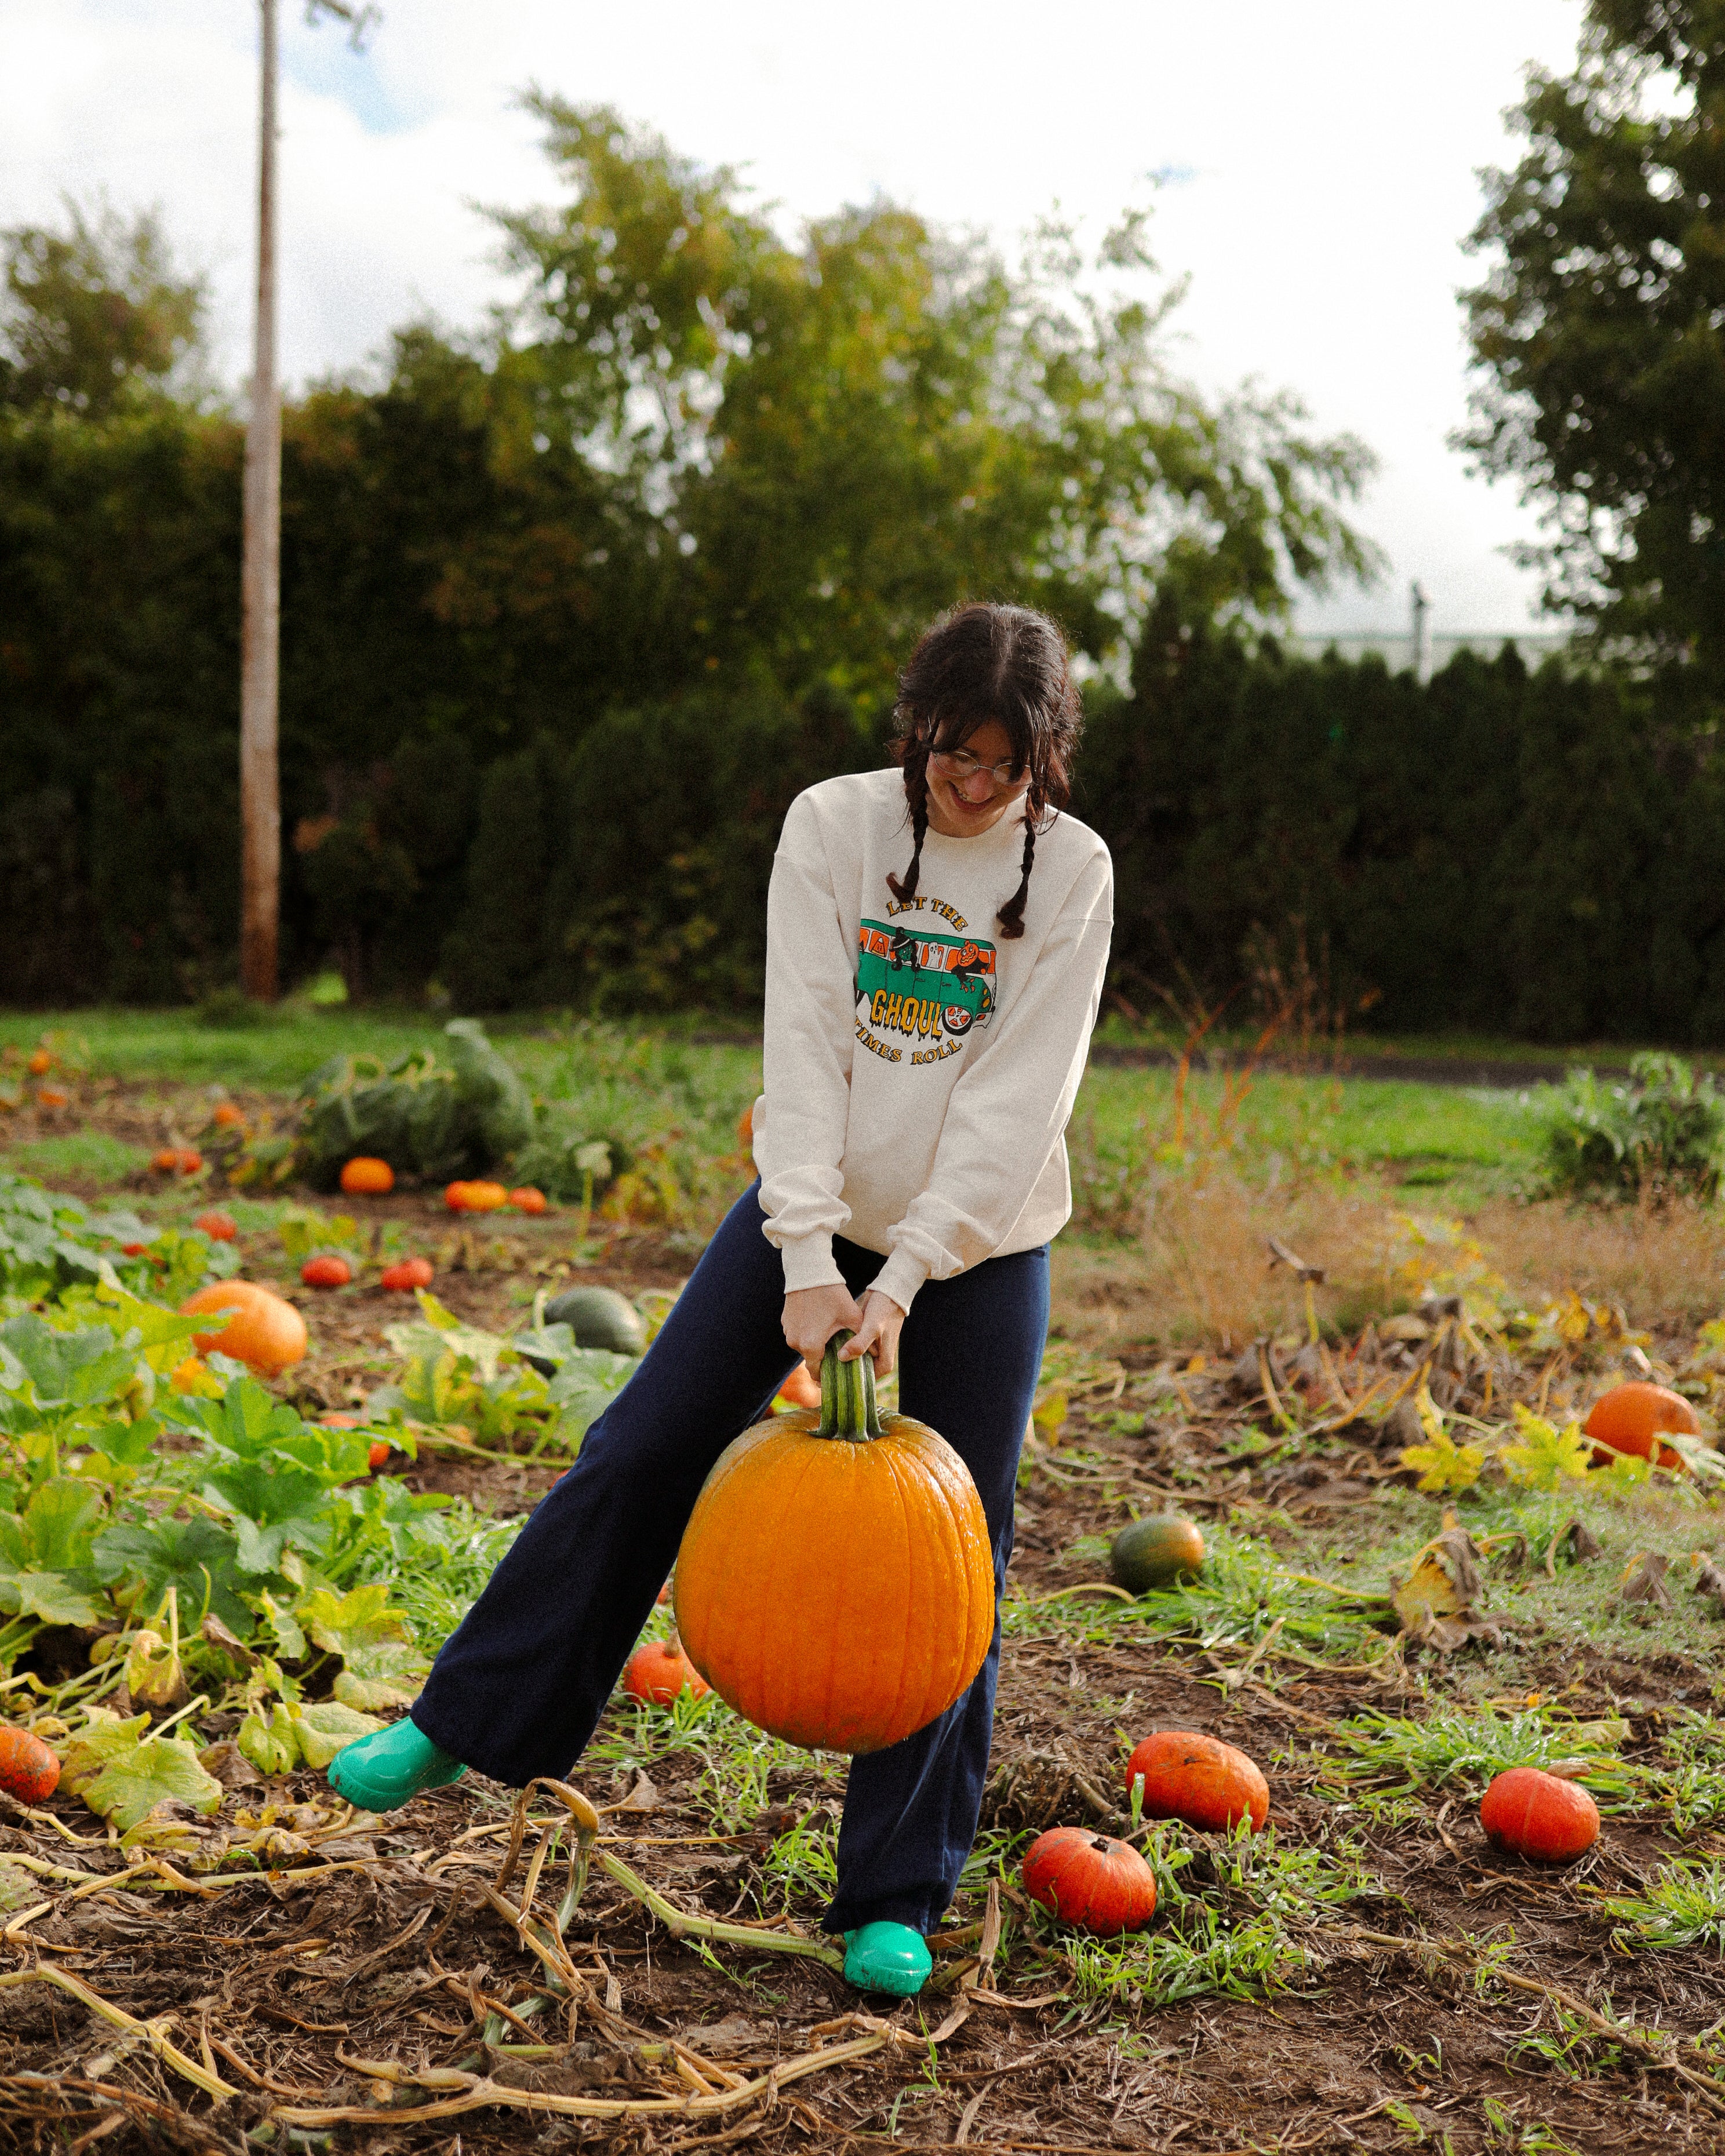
[(1539, 1816), (378, 1453), (1090, 1880), (327, 1271), (266, 1332), (28, 1770), (835, 1582), (659, 1671), (1197, 1778), (527, 1199), (226, 1117), (219, 1227), (1630, 1417), (41, 1062), (403, 1278), (365, 1177), (50, 1097), (177, 1160)]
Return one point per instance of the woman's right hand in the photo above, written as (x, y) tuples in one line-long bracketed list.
[(812, 1315)]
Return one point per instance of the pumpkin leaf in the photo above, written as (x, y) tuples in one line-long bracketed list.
[(323, 1730), (122, 1774), (52, 1596), (1445, 1466), (197, 1558), (268, 1740), (1547, 1455), (384, 1665)]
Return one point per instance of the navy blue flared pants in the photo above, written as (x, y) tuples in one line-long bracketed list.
[(519, 1688)]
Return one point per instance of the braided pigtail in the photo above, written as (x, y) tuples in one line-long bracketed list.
[(1011, 916), (904, 888)]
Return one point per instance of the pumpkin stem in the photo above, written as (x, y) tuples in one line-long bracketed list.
[(848, 1408)]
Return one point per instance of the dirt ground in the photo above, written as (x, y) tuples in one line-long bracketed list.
[(363, 1994)]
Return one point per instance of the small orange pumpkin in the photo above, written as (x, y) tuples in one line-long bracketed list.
[(50, 1097), (475, 1197), (219, 1227), (1089, 1879), (377, 1455), (188, 1375), (365, 1177), (1539, 1816), (41, 1062), (660, 1671), (1197, 1778), (177, 1160), (265, 1332), (327, 1271), (527, 1199), (226, 1116), (403, 1278), (835, 1582), (1630, 1417), (801, 1389), (28, 1770)]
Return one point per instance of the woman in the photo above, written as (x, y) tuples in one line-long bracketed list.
[(927, 1025)]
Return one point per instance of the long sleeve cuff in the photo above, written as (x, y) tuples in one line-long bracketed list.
[(808, 1262), (900, 1277)]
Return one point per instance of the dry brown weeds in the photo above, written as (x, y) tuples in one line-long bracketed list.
[(1200, 1275)]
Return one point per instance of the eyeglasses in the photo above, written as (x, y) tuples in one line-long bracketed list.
[(955, 764)]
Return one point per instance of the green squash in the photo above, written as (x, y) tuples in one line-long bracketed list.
[(599, 1318), (1155, 1553)]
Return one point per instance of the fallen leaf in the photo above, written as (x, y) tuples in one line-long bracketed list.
[(1442, 1582), (1644, 1580)]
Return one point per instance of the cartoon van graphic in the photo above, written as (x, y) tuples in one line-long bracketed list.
[(918, 983)]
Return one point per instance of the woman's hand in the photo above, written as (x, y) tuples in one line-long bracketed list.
[(812, 1315), (877, 1335)]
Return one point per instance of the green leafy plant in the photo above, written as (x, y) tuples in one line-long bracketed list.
[(1660, 1132), (439, 1119)]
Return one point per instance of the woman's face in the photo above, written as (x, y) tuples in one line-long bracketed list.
[(970, 788)]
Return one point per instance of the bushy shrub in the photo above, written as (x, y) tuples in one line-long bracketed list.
[(1661, 1130)]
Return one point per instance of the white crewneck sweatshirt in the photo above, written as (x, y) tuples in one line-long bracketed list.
[(921, 1068)]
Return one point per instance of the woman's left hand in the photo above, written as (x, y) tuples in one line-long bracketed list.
[(877, 1335)]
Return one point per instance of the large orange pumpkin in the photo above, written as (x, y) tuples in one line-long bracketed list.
[(266, 1333), (1199, 1779), (835, 1582), (1630, 1417)]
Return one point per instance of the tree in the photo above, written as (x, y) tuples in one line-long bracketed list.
[(849, 434), (1599, 330), (94, 318)]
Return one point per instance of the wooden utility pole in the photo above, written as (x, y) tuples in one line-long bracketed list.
[(260, 588)]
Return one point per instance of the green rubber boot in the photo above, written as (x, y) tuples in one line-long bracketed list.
[(890, 1958), (378, 1773)]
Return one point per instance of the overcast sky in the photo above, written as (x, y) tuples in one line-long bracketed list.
[(1319, 172)]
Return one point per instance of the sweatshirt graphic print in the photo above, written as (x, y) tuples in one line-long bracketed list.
[(920, 1069)]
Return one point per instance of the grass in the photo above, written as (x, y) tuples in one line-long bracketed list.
[(1683, 1907)]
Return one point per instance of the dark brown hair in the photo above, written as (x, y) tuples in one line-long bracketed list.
[(983, 662)]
